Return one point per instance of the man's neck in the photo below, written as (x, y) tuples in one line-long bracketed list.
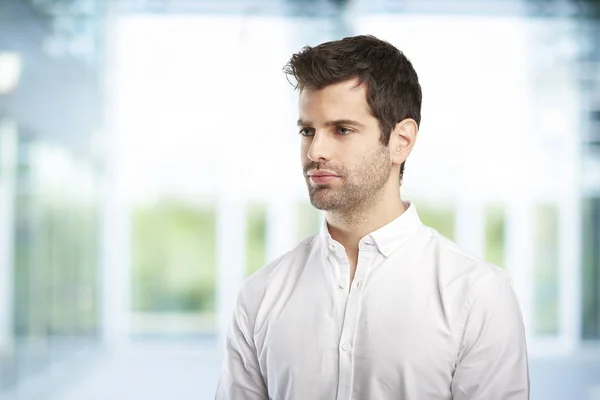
[(348, 228)]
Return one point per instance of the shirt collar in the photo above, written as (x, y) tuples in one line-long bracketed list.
[(387, 238)]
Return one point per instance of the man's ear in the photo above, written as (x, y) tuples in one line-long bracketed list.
[(402, 140)]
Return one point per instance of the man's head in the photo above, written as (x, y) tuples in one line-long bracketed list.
[(360, 107)]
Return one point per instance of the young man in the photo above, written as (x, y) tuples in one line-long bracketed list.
[(376, 306)]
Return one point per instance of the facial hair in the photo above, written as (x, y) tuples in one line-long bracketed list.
[(361, 184)]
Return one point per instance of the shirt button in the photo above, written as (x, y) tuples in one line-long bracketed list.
[(346, 346), (342, 285), (332, 247)]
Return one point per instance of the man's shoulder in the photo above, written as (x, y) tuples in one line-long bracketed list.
[(461, 267)]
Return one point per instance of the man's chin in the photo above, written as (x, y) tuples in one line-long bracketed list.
[(322, 204), (322, 207), (325, 199)]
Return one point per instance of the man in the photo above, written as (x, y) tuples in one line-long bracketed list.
[(376, 306)]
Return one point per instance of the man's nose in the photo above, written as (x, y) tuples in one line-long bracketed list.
[(320, 148)]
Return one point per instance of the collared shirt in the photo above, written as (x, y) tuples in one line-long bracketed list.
[(422, 320)]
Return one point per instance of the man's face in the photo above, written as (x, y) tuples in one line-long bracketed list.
[(345, 165)]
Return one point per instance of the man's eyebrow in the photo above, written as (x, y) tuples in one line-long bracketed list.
[(334, 123), (344, 122)]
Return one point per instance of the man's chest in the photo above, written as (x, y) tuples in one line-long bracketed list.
[(375, 329)]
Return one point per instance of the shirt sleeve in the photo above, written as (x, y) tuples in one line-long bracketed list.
[(492, 362), (240, 373)]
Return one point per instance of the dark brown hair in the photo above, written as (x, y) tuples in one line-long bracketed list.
[(393, 90)]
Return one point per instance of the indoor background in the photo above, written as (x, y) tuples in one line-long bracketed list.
[(149, 161)]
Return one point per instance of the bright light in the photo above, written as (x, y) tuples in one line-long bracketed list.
[(10, 72)]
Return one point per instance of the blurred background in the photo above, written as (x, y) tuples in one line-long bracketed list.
[(134, 140)]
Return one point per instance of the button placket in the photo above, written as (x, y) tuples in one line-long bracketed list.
[(343, 268), (350, 322), (340, 273)]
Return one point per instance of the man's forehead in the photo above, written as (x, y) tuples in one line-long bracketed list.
[(334, 102)]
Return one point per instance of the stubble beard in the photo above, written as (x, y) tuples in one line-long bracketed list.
[(358, 189)]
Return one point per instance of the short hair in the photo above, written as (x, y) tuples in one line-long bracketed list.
[(393, 89)]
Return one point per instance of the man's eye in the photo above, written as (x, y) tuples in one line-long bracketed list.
[(306, 132), (344, 131)]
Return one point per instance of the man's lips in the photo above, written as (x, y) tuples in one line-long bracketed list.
[(322, 172), (321, 177)]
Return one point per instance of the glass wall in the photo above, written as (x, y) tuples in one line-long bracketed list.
[(54, 259), (173, 267)]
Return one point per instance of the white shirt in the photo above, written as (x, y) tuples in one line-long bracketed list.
[(422, 320)]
